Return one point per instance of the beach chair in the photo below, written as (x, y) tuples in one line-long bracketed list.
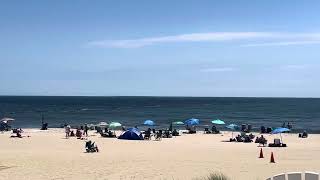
[(263, 142), (239, 138), (280, 177), (147, 136), (91, 147), (277, 143), (44, 126), (247, 139), (17, 132), (167, 134), (243, 127), (269, 129), (294, 176), (78, 134), (103, 134), (249, 128), (311, 176), (303, 135), (175, 133), (263, 129), (158, 136), (214, 130), (251, 136), (207, 131)]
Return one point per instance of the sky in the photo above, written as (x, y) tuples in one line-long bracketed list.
[(254, 48)]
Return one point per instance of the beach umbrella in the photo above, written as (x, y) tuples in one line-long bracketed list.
[(149, 123), (279, 131), (102, 124), (233, 127), (218, 121), (178, 123), (5, 120), (114, 125), (192, 121), (91, 126)]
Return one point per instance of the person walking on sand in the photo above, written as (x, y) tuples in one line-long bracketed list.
[(86, 128), (67, 129)]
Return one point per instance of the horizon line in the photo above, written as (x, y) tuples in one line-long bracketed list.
[(159, 96)]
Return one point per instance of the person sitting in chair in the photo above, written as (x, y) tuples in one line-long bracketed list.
[(251, 136), (91, 147), (78, 133), (214, 130), (44, 126), (110, 134), (175, 132), (261, 140), (147, 134), (303, 135), (72, 133)]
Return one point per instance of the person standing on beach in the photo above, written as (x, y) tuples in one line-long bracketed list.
[(86, 128), (67, 129)]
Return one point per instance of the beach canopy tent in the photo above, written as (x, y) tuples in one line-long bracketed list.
[(192, 121), (279, 131), (131, 134), (233, 127), (218, 121), (149, 123), (114, 125)]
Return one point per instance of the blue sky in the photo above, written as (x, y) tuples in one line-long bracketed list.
[(160, 48)]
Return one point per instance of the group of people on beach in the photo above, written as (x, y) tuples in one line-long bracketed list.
[(82, 131)]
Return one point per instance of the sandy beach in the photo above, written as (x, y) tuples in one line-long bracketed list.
[(48, 155)]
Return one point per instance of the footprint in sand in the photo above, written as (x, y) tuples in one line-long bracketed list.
[(4, 167)]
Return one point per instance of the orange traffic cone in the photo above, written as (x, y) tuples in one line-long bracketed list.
[(261, 153), (272, 158)]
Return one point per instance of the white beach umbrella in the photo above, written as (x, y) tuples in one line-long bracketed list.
[(102, 124), (5, 120)]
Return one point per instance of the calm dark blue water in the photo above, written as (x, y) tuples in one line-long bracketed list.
[(304, 113)]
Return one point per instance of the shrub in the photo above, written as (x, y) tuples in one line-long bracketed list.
[(214, 176)]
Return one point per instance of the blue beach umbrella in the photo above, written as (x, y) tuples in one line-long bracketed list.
[(192, 121), (149, 123), (218, 121), (233, 127), (279, 131)]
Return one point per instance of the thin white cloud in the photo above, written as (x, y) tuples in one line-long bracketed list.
[(222, 69), (257, 39), (194, 37), (295, 66), (284, 43)]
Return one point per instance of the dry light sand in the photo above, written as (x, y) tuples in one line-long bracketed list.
[(48, 155)]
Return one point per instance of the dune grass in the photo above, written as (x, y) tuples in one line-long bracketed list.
[(214, 176)]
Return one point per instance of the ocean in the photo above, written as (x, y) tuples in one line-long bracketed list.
[(303, 113)]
